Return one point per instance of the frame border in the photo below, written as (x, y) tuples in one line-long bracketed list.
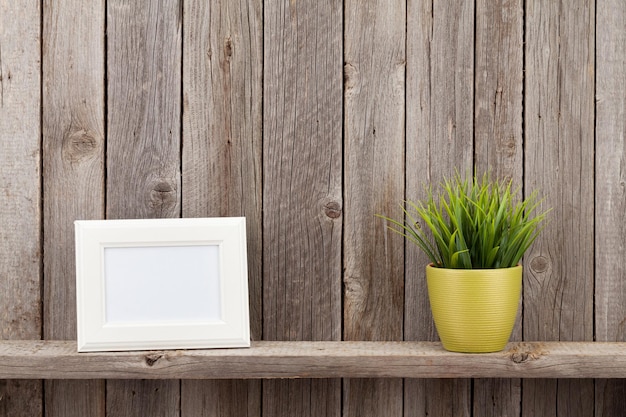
[(93, 236)]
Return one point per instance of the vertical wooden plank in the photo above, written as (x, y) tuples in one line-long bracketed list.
[(498, 94), (222, 122), (497, 397), (302, 193), (610, 201), (374, 73), (498, 145), (559, 145), (73, 145), (610, 398), (222, 147), (154, 398), (436, 397), (20, 211), (143, 149), (223, 398), (440, 96)]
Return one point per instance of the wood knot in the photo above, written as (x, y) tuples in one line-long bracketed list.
[(519, 357), (510, 147), (332, 209), (79, 145), (350, 76), (539, 264), (163, 196), (152, 358), (228, 47), (526, 352), (163, 187)]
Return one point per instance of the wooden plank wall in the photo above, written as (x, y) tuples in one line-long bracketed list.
[(73, 143), (308, 117), (20, 193)]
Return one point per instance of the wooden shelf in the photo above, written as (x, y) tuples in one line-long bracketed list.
[(59, 360)]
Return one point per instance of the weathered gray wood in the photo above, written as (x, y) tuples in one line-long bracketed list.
[(557, 76), (497, 397), (266, 359), (75, 397), (374, 178), (302, 193), (144, 79), (73, 150), (610, 397), (439, 129), (559, 161), (498, 88), (210, 398), (446, 397), (222, 147), (21, 398), (297, 397), (222, 122), (418, 323), (610, 151), (374, 69), (610, 296), (20, 214), (372, 397), (154, 398), (143, 149), (498, 142), (20, 191), (73, 145)]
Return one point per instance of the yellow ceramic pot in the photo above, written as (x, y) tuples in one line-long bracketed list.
[(474, 309)]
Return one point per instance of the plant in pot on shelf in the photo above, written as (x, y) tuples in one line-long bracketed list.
[(475, 233)]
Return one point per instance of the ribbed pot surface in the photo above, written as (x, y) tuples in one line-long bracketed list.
[(474, 309)]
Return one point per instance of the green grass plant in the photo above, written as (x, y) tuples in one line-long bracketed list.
[(472, 224)]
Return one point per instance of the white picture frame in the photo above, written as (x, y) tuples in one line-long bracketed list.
[(147, 284)]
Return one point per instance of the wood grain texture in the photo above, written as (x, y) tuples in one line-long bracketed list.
[(559, 161), (209, 398), (374, 170), (75, 397), (443, 397), (285, 360), (73, 145), (374, 68), (297, 397), (372, 397), (610, 397), (498, 145), (448, 102), (222, 148), (143, 148), (610, 177), (73, 168), (20, 212), (20, 191), (154, 398), (418, 323), (302, 173), (222, 123), (143, 121), (302, 191), (374, 165), (610, 204), (439, 130), (498, 88), (497, 397)]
